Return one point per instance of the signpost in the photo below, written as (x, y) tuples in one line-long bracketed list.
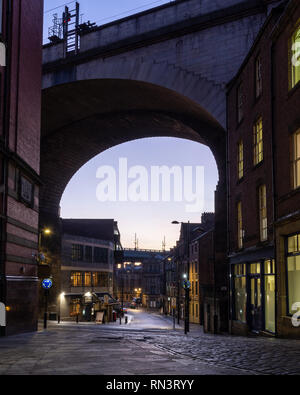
[(47, 285)]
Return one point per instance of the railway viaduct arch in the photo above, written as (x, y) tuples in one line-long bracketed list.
[(162, 72)]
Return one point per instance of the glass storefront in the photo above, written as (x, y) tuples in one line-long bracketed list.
[(254, 301), (270, 286), (240, 293), (293, 271)]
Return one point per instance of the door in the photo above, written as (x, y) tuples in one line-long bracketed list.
[(256, 304)]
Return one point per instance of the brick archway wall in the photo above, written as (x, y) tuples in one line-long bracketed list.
[(82, 119)]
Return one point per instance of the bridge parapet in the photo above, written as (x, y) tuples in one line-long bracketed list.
[(176, 14)]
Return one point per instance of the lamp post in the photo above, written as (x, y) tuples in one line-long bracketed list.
[(47, 283), (121, 272), (186, 282)]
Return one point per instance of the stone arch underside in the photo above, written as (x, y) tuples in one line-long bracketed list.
[(82, 119), (138, 67)]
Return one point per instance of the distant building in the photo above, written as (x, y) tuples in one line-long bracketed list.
[(140, 277), (87, 262), (194, 257)]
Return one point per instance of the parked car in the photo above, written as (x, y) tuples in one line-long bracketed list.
[(133, 305)]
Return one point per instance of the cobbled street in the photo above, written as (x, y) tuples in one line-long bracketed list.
[(148, 345)]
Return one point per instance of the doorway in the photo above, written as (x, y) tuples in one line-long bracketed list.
[(256, 320)]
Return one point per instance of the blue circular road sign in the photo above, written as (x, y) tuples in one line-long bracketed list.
[(187, 284), (47, 284)]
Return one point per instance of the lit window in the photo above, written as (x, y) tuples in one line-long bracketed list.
[(240, 102), (263, 213), (258, 142), (87, 279), (293, 270), (75, 307), (76, 279), (296, 159), (240, 160), (258, 77), (255, 268), (138, 264), (295, 58), (240, 226)]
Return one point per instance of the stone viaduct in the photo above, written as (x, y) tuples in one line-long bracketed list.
[(162, 72)]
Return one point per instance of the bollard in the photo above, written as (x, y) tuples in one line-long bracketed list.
[(77, 318), (126, 320)]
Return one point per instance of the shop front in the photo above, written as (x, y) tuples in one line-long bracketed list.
[(253, 297)]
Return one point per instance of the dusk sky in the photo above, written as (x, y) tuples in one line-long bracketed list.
[(150, 220)]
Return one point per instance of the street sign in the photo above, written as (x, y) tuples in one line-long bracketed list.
[(47, 283), (186, 284)]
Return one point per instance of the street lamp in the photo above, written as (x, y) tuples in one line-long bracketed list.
[(186, 281)]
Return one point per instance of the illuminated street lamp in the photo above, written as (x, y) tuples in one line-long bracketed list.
[(186, 284), (46, 232)]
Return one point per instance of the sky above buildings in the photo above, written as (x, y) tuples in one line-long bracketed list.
[(87, 192)]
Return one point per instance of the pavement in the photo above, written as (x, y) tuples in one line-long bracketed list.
[(148, 345)]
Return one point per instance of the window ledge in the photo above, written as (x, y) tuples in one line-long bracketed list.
[(293, 90), (240, 180), (258, 165)]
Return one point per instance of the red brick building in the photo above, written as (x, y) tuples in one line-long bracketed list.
[(286, 128), (20, 102), (263, 111)]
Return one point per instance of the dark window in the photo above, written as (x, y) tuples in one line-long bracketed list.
[(26, 190), (101, 255), (88, 254), (240, 103), (77, 252)]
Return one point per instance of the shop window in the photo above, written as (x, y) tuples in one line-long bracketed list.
[(258, 142), (293, 271), (75, 307), (258, 77), (270, 285), (240, 226), (296, 159), (295, 59), (263, 218), (255, 268), (240, 293), (240, 160)]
